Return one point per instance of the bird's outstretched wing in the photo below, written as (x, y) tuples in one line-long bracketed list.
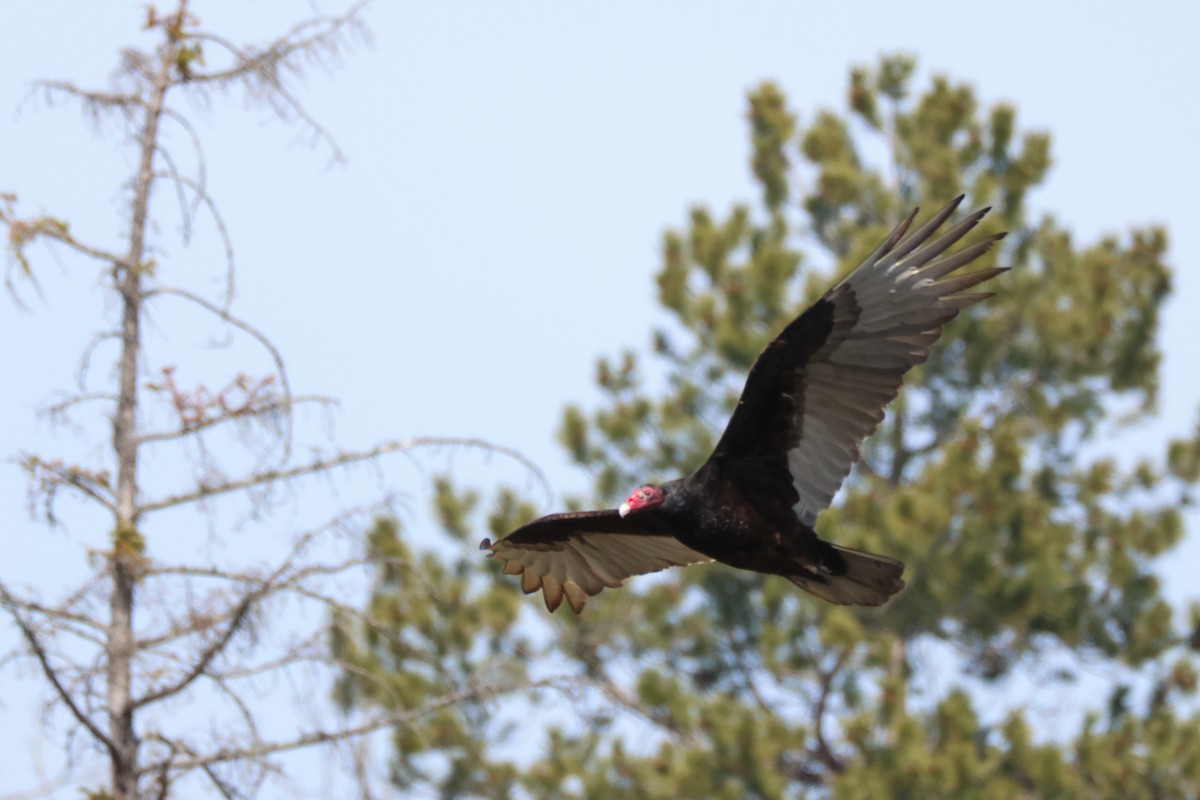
[(821, 386), (577, 555)]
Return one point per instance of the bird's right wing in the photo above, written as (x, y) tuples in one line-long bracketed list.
[(579, 554)]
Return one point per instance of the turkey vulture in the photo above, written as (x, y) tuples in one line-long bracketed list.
[(810, 399)]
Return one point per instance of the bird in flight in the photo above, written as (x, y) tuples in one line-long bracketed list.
[(816, 391)]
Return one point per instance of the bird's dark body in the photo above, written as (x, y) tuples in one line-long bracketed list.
[(812, 396), (746, 519), (734, 530)]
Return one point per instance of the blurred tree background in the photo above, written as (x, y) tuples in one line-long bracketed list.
[(1030, 550), (1032, 654)]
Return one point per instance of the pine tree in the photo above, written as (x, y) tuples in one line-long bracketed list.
[(1029, 547)]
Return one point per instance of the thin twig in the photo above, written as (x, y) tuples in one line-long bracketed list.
[(58, 613), (57, 410), (201, 197)]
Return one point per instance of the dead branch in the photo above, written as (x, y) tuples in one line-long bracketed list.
[(205, 657), (43, 659), (201, 196), (193, 135), (311, 650), (52, 474), (237, 322), (226, 791), (261, 71), (292, 585), (86, 359), (174, 176), (321, 465), (57, 412), (59, 614), (234, 416), (286, 575), (22, 232), (95, 104), (394, 719)]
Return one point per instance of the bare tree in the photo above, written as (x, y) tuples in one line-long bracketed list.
[(200, 636)]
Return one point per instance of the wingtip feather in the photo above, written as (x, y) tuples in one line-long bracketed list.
[(552, 592), (576, 596), (914, 240), (959, 282), (960, 301), (530, 581)]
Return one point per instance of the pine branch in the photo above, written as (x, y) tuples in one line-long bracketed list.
[(739, 653), (824, 751)]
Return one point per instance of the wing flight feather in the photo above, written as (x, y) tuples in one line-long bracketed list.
[(820, 388), (892, 309), (576, 556)]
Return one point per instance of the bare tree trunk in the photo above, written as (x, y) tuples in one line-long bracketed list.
[(126, 541)]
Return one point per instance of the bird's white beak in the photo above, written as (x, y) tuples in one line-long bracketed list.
[(624, 509)]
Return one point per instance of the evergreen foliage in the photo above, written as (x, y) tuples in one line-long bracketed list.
[(1030, 549)]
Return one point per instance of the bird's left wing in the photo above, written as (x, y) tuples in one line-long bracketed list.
[(579, 554), (820, 387)]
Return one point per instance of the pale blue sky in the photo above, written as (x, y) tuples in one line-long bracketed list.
[(510, 172)]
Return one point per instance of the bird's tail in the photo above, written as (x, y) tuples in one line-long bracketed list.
[(867, 580)]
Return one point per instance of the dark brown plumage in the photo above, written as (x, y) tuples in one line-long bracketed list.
[(816, 391)]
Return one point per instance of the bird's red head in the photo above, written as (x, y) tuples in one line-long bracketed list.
[(643, 497)]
